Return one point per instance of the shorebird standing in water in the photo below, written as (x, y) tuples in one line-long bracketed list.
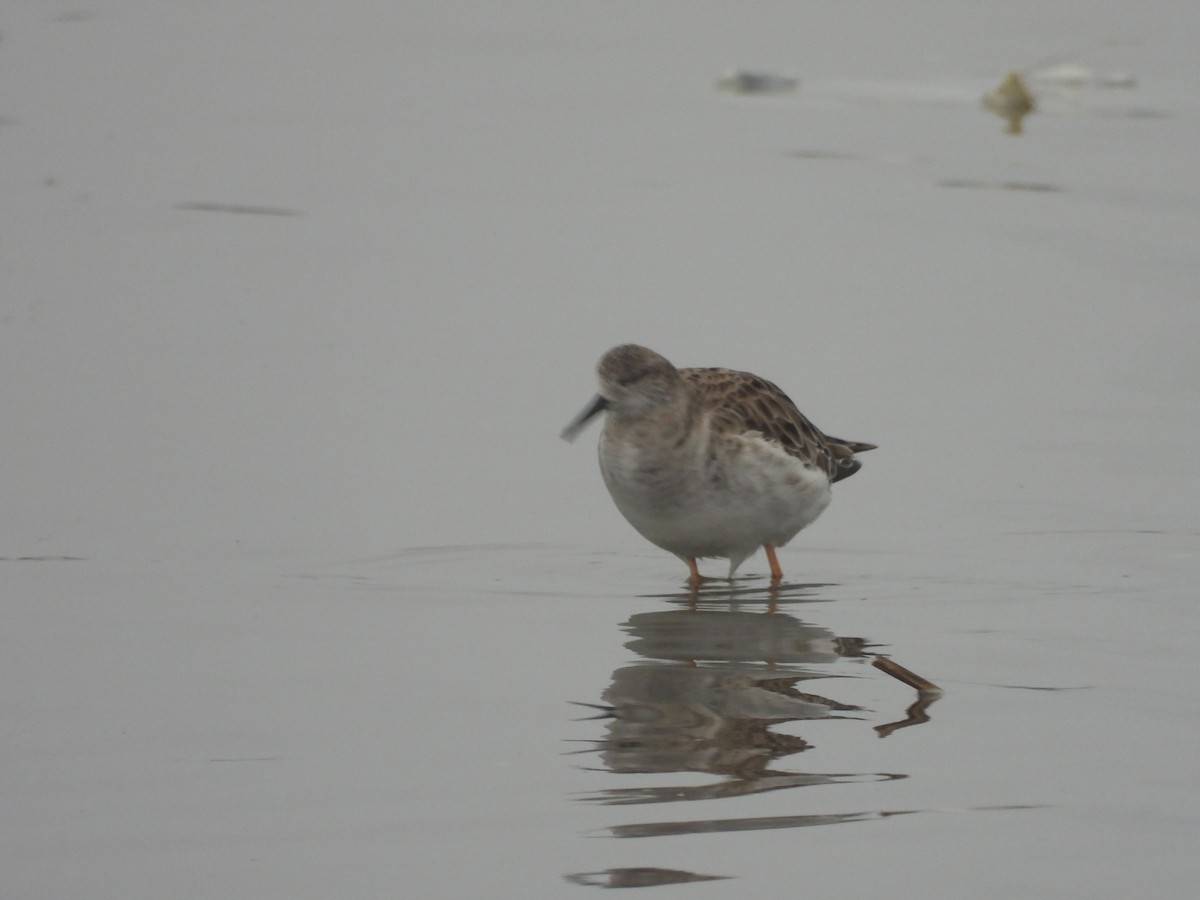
[(710, 462)]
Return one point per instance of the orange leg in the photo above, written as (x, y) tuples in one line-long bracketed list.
[(693, 572), (776, 572)]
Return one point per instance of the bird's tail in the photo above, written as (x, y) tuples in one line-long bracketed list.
[(843, 454)]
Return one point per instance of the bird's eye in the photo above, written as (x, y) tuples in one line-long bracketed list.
[(632, 376)]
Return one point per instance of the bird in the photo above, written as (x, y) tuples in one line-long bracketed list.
[(710, 462)]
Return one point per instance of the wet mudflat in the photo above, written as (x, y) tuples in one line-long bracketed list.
[(303, 596)]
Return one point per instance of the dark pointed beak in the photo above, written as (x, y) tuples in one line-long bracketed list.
[(597, 406)]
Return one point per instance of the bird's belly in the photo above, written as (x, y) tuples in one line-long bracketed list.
[(722, 507)]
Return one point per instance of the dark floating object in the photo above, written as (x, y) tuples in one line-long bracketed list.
[(1011, 100), (238, 208), (741, 81)]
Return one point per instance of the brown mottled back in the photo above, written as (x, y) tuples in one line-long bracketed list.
[(748, 403)]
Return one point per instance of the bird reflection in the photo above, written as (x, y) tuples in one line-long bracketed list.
[(723, 636), (914, 715), (717, 685), (638, 877)]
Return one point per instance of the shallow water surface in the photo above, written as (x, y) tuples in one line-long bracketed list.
[(510, 720), (303, 597), (699, 733)]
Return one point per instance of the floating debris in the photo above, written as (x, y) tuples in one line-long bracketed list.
[(741, 81), (1011, 100)]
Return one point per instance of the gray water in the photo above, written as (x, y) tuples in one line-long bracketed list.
[(303, 595)]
